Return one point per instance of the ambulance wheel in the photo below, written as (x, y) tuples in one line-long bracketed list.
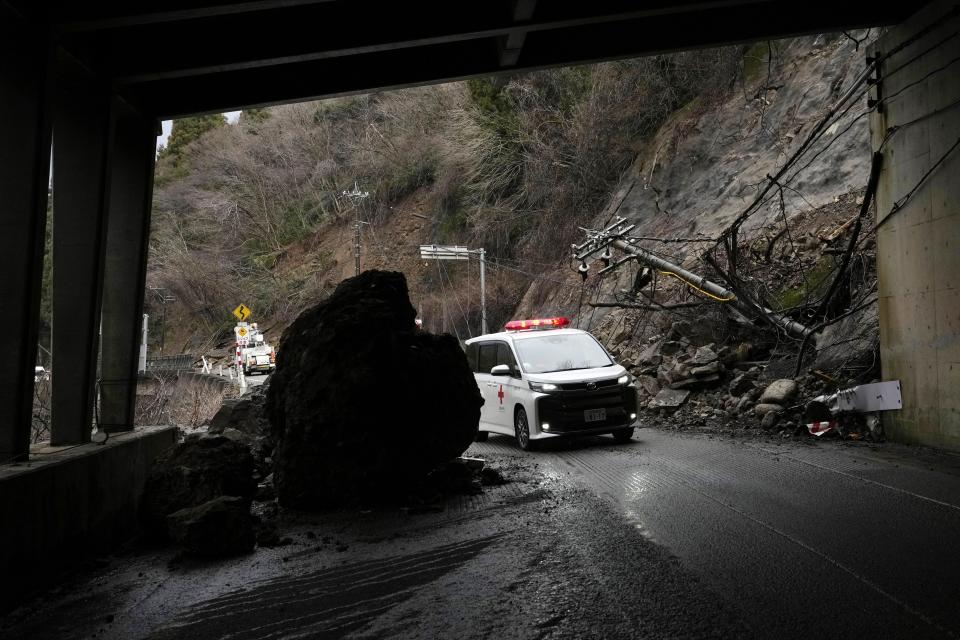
[(521, 427), (482, 436), (623, 435)]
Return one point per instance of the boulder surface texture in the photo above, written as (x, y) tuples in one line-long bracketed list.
[(362, 403)]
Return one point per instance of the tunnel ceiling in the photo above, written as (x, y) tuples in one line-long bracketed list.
[(178, 58)]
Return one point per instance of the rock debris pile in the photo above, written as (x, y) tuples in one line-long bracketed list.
[(198, 495), (684, 381)]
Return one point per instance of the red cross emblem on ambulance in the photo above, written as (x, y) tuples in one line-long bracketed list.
[(500, 394)]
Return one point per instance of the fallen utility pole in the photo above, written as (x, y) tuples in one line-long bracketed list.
[(616, 235)]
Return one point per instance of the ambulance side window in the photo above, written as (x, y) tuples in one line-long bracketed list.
[(472, 356), (487, 358), (505, 356)]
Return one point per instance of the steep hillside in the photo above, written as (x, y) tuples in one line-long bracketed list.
[(256, 212)]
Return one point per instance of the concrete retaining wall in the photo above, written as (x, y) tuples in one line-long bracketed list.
[(918, 243), (71, 503)]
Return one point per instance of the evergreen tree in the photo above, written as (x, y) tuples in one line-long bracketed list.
[(188, 130)]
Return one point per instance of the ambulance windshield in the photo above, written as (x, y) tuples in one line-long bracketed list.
[(561, 352)]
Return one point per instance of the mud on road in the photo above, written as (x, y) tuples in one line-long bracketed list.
[(670, 536)]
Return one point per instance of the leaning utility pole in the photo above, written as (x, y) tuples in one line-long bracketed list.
[(355, 195), (616, 235)]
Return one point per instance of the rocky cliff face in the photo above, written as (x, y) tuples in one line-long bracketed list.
[(707, 163)]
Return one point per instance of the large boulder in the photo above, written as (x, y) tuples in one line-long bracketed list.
[(192, 473), (362, 403)]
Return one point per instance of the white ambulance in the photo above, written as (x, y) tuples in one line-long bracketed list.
[(540, 380)]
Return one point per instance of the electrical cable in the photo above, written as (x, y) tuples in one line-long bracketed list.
[(457, 299), (902, 201), (821, 128), (696, 288)]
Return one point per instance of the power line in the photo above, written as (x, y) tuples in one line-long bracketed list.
[(456, 298)]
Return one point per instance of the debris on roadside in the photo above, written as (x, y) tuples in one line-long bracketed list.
[(194, 472)]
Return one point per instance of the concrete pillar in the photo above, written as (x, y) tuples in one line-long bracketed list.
[(128, 229), (24, 175), (81, 182), (918, 235)]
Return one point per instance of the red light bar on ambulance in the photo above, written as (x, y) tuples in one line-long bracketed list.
[(537, 323)]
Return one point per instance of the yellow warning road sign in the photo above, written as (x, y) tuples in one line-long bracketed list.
[(242, 312), (242, 332)]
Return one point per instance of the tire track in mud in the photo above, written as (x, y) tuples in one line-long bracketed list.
[(755, 519), (330, 602)]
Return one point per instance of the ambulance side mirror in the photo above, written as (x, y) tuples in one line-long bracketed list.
[(500, 370)]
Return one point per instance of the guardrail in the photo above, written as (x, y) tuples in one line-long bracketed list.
[(181, 362)]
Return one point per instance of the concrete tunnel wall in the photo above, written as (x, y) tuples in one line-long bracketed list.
[(918, 243), (71, 504)]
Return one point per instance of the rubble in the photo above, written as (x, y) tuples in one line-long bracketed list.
[(198, 470), (779, 392), (219, 527), (346, 402), (244, 420), (741, 384)]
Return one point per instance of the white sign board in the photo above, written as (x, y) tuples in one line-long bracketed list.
[(243, 335), (879, 396)]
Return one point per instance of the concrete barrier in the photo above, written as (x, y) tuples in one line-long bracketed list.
[(71, 503)]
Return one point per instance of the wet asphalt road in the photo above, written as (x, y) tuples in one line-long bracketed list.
[(825, 540), (670, 536)]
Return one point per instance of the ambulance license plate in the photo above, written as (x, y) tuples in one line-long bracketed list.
[(594, 415)]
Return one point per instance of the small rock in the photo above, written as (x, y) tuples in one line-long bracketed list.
[(679, 371), (669, 399), (770, 419), (694, 384), (706, 370), (651, 355), (648, 384), (779, 392), (765, 408), (744, 404), (703, 356), (663, 375)]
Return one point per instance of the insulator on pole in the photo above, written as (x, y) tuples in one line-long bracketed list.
[(583, 270)]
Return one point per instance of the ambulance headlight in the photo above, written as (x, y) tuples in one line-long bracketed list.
[(543, 387), (625, 379)]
